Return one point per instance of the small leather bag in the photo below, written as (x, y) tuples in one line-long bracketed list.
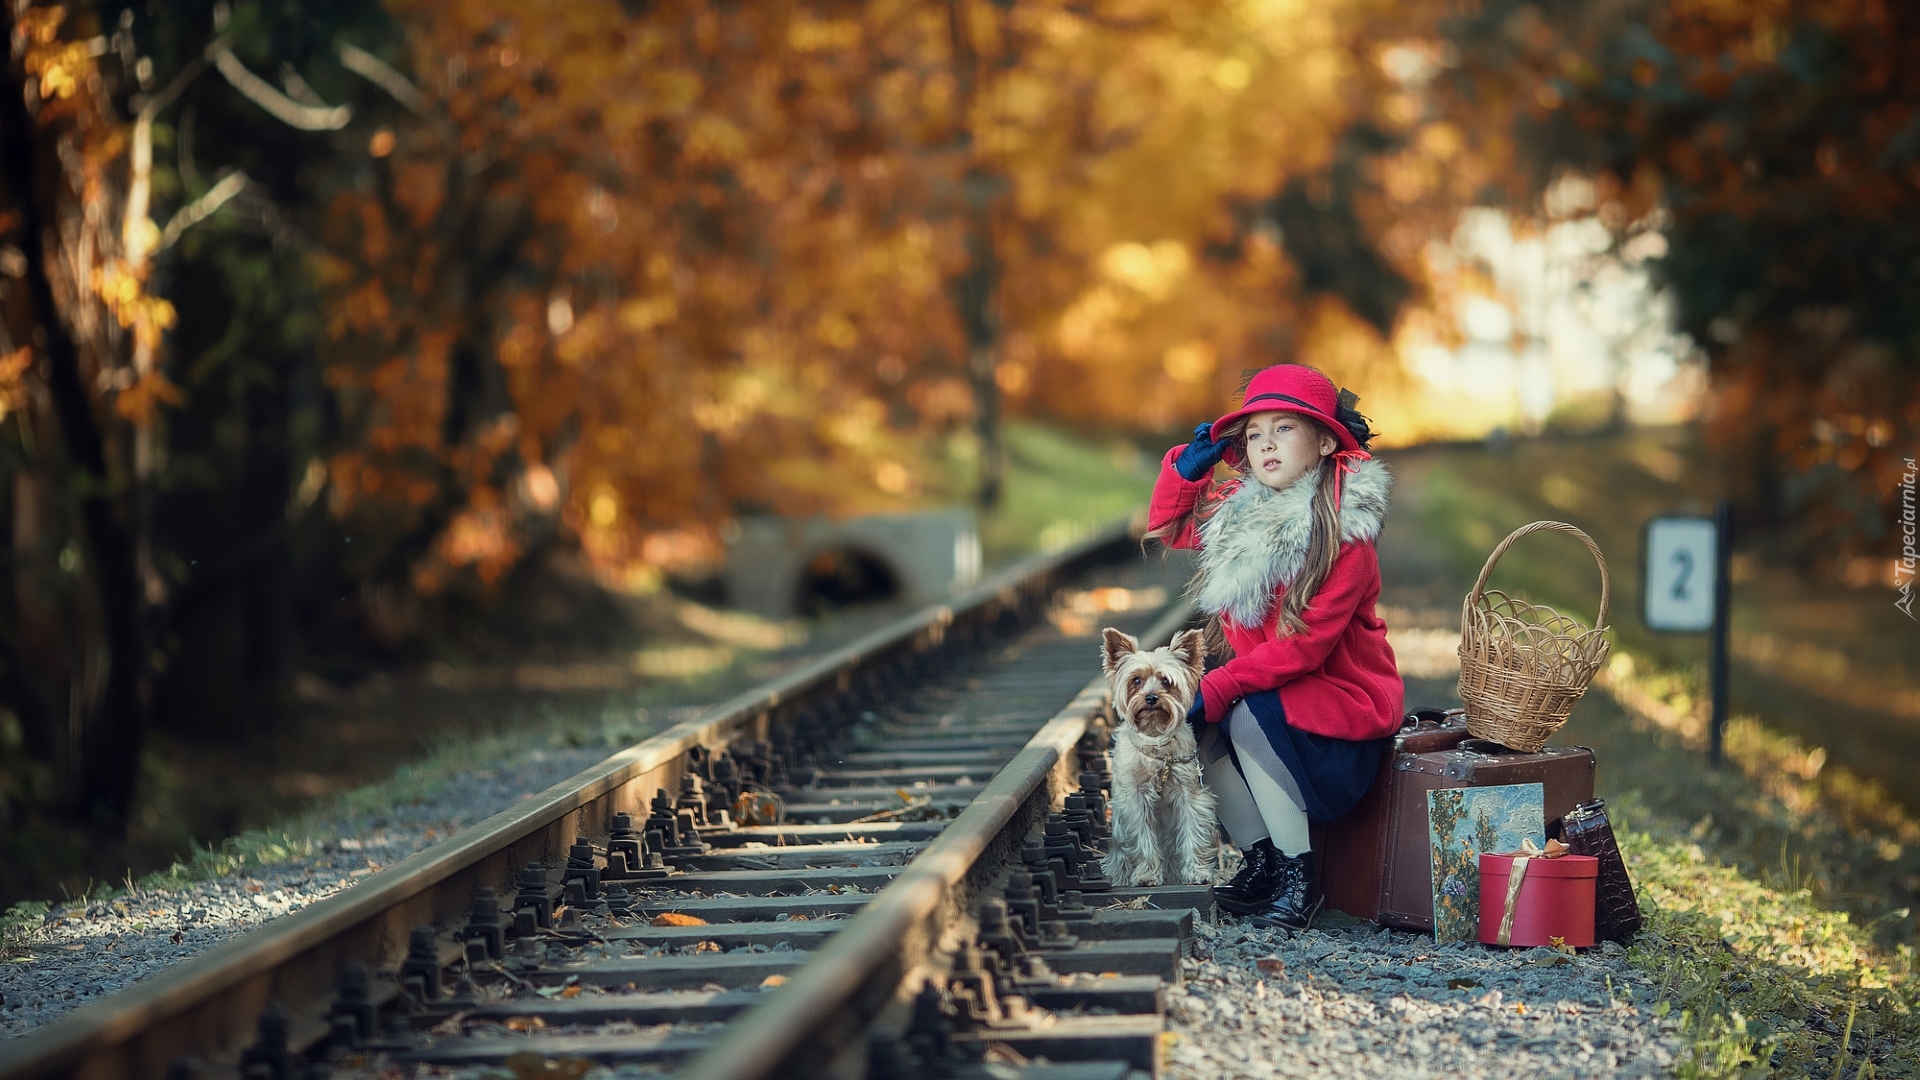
[(1586, 831)]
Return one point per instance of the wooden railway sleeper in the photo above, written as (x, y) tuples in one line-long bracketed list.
[(1043, 901)]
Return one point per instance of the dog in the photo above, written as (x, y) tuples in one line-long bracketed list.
[(1164, 828)]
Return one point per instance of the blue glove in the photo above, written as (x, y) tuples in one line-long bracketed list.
[(1200, 456), (1197, 714)]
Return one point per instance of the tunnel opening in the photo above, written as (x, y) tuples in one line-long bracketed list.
[(842, 578)]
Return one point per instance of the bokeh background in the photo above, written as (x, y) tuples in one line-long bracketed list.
[(373, 374)]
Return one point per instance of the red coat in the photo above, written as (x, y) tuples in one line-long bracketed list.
[(1338, 676)]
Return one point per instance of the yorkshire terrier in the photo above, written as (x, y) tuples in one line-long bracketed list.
[(1163, 821)]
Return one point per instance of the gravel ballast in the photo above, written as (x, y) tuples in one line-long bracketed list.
[(1361, 1001), (86, 951)]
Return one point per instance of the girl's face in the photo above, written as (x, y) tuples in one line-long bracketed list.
[(1282, 446)]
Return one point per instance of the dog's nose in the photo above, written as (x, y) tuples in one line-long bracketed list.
[(1151, 699)]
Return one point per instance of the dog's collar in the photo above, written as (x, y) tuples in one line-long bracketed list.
[(1192, 755)]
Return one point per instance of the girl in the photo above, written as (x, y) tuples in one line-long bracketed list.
[(1295, 722)]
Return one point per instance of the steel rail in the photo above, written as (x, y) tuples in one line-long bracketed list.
[(810, 1026), (209, 1005)]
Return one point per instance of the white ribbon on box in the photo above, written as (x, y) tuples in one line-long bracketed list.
[(1517, 873)]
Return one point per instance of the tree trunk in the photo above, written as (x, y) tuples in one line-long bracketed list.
[(976, 291), (108, 730)]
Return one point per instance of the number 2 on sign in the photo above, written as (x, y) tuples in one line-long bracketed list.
[(1683, 559)]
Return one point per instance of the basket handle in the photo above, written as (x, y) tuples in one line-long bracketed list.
[(1486, 571)]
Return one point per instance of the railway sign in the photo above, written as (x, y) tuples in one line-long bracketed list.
[(1679, 574), (1683, 572)]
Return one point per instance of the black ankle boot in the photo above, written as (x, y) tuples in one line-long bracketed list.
[(1297, 900), (1259, 879)]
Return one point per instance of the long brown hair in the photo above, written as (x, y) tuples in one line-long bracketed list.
[(1323, 543)]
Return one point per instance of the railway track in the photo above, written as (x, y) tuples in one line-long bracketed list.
[(926, 902)]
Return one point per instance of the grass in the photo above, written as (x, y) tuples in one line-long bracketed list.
[(1779, 891), (1763, 978), (1061, 488)]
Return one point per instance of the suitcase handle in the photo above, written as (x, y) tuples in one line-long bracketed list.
[(1489, 748), (1484, 746), (1436, 717)]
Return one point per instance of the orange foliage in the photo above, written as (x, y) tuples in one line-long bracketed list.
[(701, 258), (100, 279)]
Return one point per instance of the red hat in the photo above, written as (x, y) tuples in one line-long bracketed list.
[(1291, 388)]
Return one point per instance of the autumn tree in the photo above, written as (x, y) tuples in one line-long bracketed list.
[(450, 283), (633, 314), (1772, 149), (100, 467)]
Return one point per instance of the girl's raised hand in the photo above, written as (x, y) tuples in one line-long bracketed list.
[(1200, 456)]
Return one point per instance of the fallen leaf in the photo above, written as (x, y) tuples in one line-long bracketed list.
[(674, 918), (570, 992), (528, 1065), (774, 980), (1004, 1055), (525, 1023), (796, 918), (72, 948), (1272, 965), (707, 946)]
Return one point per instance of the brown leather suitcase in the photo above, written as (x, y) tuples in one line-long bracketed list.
[(1351, 883), (1375, 861)]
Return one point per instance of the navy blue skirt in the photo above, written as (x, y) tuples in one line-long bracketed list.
[(1333, 774)]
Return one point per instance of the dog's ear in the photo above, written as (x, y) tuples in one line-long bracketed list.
[(1115, 647), (1191, 646)]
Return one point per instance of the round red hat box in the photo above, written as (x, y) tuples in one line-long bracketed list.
[(1555, 900)]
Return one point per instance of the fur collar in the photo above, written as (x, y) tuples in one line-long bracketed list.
[(1257, 540)]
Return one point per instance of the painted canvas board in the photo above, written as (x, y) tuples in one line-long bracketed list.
[(1462, 823)]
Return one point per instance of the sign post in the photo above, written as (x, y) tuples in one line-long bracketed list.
[(1687, 590)]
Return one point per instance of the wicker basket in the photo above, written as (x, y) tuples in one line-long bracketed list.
[(1523, 666)]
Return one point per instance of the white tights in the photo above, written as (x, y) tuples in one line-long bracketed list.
[(1262, 802)]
